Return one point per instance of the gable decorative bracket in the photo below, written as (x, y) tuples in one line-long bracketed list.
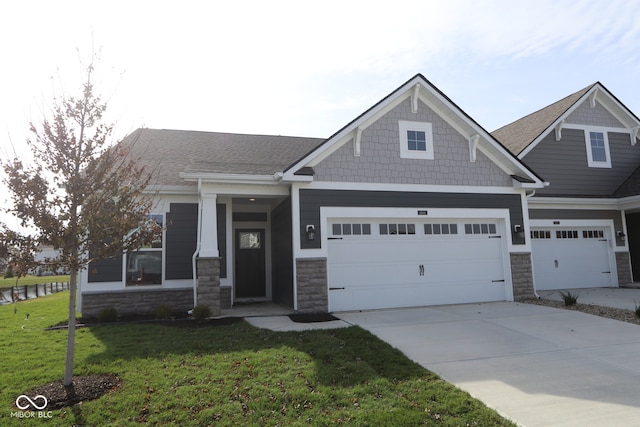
[(414, 98), (559, 130), (473, 147), (356, 142), (634, 134), (592, 98)]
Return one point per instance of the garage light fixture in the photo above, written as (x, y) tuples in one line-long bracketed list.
[(311, 232), (518, 230), (621, 234)]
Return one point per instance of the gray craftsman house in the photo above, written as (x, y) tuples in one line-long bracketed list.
[(411, 203), (584, 225)]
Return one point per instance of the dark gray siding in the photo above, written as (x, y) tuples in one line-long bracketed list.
[(106, 270), (181, 240), (633, 234), (282, 253), (564, 164), (312, 200), (221, 213), (569, 214)]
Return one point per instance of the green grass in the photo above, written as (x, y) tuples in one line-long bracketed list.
[(31, 280), (226, 375)]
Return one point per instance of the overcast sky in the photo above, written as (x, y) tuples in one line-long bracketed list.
[(306, 68)]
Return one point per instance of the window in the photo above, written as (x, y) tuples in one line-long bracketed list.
[(250, 240), (440, 229), (480, 229), (397, 229), (597, 144), (416, 140), (567, 234), (540, 234), (351, 229), (144, 267), (593, 234)]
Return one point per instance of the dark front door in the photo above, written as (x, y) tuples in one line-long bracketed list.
[(250, 264)]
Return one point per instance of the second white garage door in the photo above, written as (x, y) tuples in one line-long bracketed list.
[(571, 257), (400, 263)]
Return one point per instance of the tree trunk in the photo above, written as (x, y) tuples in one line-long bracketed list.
[(71, 337)]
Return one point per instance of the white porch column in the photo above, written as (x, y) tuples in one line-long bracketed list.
[(209, 230)]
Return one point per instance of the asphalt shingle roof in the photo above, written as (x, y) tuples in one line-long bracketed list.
[(518, 135), (167, 153)]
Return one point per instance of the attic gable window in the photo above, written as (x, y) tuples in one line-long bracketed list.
[(416, 140), (597, 145)]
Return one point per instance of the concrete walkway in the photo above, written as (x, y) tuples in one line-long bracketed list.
[(536, 365), (625, 298)]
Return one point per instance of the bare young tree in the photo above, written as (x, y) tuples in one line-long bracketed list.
[(80, 192)]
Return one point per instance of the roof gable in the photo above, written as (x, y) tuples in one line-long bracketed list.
[(521, 136), (418, 90)]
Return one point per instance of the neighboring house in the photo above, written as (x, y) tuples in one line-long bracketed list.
[(585, 225), (412, 203), (42, 256)]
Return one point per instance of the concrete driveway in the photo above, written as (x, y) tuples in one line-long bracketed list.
[(535, 365)]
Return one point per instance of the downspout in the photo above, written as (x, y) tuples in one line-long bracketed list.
[(533, 192), (198, 244)]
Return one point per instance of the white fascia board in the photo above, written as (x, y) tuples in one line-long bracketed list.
[(229, 178), (244, 189), (171, 189), (629, 203), (537, 202), (421, 188), (527, 185)]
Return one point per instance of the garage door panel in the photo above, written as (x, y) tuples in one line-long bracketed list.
[(373, 274), (576, 262), (382, 271)]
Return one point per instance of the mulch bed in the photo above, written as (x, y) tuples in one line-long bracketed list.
[(82, 388), (620, 314), (312, 317)]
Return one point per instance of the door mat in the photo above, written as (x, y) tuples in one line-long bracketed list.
[(312, 317)]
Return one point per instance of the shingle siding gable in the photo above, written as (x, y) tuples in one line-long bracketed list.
[(380, 160), (584, 114)]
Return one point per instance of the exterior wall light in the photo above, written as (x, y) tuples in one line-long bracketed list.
[(518, 230), (311, 232)]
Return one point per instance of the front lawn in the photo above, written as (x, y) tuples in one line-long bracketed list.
[(31, 280), (225, 375)]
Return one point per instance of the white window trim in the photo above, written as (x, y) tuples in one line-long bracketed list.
[(587, 140), (425, 127)]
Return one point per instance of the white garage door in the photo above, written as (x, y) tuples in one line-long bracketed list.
[(571, 257), (404, 263)]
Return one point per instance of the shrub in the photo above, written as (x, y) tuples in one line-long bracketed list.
[(569, 298), (163, 312), (201, 312), (109, 314)]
